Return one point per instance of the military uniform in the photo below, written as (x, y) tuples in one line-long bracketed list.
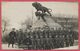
[(47, 43), (71, 38), (35, 40), (12, 36), (61, 40), (53, 34), (67, 39), (41, 43), (20, 37), (57, 41), (50, 42)]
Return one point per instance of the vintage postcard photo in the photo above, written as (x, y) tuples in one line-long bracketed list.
[(39, 25)]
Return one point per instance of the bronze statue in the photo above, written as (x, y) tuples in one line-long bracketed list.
[(39, 7)]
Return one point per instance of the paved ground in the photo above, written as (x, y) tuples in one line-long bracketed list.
[(67, 48), (5, 46)]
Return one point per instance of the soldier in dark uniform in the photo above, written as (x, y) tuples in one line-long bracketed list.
[(39, 32), (64, 33), (47, 32), (46, 45), (43, 33), (25, 36), (39, 37), (67, 38), (41, 40), (12, 36), (61, 40), (35, 39), (53, 33), (71, 38), (46, 38), (30, 39), (50, 40), (38, 43), (57, 41), (28, 42), (20, 36), (17, 32)]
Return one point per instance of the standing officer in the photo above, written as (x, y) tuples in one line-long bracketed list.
[(67, 38), (17, 32), (41, 40), (12, 36), (57, 41), (53, 33), (71, 38), (20, 36), (61, 40), (34, 39), (50, 41), (30, 39)]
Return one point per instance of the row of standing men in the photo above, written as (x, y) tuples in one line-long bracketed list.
[(43, 39), (46, 39)]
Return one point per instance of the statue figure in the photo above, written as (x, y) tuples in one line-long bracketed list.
[(43, 10)]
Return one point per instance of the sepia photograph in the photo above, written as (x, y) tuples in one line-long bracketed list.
[(39, 25)]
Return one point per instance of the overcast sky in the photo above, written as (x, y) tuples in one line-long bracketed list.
[(17, 12)]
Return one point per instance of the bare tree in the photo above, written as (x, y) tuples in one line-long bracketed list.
[(5, 24)]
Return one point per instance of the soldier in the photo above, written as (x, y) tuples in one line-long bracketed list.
[(39, 37), (12, 36), (41, 40), (71, 38), (44, 43), (53, 33), (17, 32), (43, 33), (47, 32), (30, 37), (38, 43), (46, 47), (28, 42), (67, 38), (61, 40), (20, 36), (64, 33), (38, 32), (26, 33), (50, 40), (57, 41), (25, 37), (34, 37)]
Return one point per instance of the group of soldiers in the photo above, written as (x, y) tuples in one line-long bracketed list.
[(43, 38)]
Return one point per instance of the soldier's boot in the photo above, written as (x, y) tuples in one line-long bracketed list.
[(67, 44), (12, 45), (8, 44), (71, 43)]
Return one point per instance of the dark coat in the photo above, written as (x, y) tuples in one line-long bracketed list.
[(12, 37)]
